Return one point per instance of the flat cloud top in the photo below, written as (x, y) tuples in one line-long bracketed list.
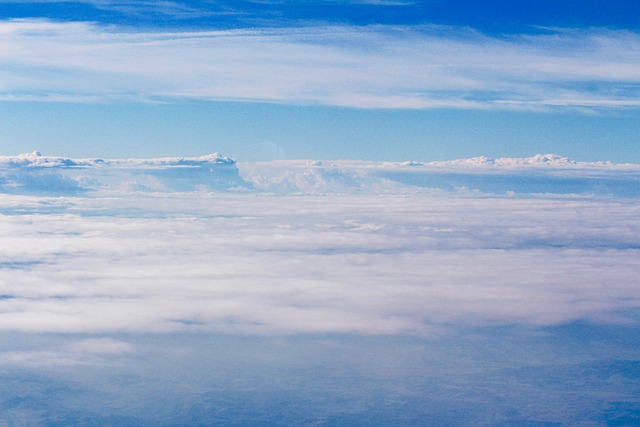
[(34, 173), (36, 159)]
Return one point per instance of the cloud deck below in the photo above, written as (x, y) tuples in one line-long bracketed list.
[(316, 294)]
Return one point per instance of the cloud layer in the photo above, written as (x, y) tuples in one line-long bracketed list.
[(330, 292), (34, 174), (370, 264), (364, 67)]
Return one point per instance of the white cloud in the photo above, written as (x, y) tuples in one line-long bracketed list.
[(370, 249), (163, 7), (104, 346), (89, 351), (370, 67), (414, 263), (538, 174), (34, 173), (133, 7)]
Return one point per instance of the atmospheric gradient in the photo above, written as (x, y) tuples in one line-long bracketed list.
[(319, 213)]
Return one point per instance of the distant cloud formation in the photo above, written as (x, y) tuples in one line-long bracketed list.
[(143, 291), (364, 67), (363, 260), (35, 174)]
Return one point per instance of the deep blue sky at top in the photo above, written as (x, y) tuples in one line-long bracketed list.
[(593, 117), (495, 16)]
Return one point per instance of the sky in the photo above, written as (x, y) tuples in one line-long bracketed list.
[(331, 263), (375, 80)]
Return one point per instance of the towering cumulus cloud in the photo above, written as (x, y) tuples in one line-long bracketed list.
[(34, 173)]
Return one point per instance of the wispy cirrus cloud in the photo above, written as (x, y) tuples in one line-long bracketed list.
[(375, 2), (164, 7), (169, 8), (365, 67)]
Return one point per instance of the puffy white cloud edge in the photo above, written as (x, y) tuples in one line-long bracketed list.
[(34, 173)]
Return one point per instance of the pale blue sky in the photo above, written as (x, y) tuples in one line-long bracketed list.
[(380, 80), (256, 131)]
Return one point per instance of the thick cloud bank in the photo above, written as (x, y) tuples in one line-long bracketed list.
[(550, 174), (191, 292), (34, 173), (377, 262)]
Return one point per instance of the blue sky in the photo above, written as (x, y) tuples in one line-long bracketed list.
[(378, 79), (202, 291)]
